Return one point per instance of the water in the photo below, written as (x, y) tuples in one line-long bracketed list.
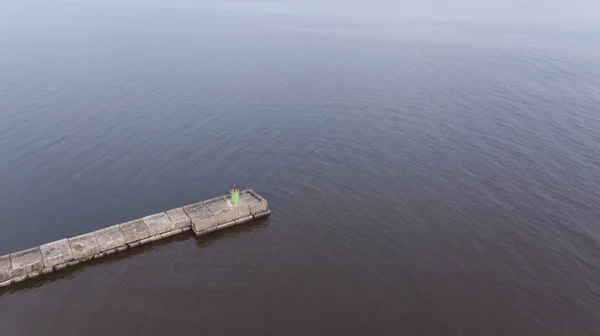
[(432, 169)]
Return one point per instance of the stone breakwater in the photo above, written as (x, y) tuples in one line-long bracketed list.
[(202, 218)]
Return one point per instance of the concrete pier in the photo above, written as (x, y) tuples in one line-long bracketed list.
[(202, 218)]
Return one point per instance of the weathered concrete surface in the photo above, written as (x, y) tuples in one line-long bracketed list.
[(55, 253), (201, 217), (5, 268), (262, 214), (149, 239), (204, 217), (179, 218), (84, 246), (224, 210), (244, 220), (158, 223), (225, 225), (110, 238), (25, 262), (256, 203), (134, 230), (171, 233)]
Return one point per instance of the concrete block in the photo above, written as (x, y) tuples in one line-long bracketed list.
[(134, 244), (99, 255), (6, 283), (171, 233), (226, 225), (158, 223), (122, 248), (111, 251), (58, 252), (27, 261), (262, 214), (202, 218), (47, 270), (179, 219), (134, 230), (5, 268), (149, 240), (84, 246), (223, 209), (244, 220), (243, 210), (20, 278), (256, 203), (109, 238), (73, 263), (186, 229), (60, 267), (33, 275)]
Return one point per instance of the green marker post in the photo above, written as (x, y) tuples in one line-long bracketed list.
[(235, 195)]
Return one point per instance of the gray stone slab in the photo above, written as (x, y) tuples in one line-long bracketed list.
[(84, 246), (243, 210), (134, 244), (158, 223), (262, 214), (27, 261), (256, 203), (110, 238), (170, 233), (179, 218), (247, 198), (149, 240), (134, 230), (55, 253), (201, 217), (73, 263), (223, 209), (242, 207), (226, 225), (5, 268), (244, 220), (20, 278)]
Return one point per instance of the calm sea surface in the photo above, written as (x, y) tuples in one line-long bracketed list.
[(432, 169)]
